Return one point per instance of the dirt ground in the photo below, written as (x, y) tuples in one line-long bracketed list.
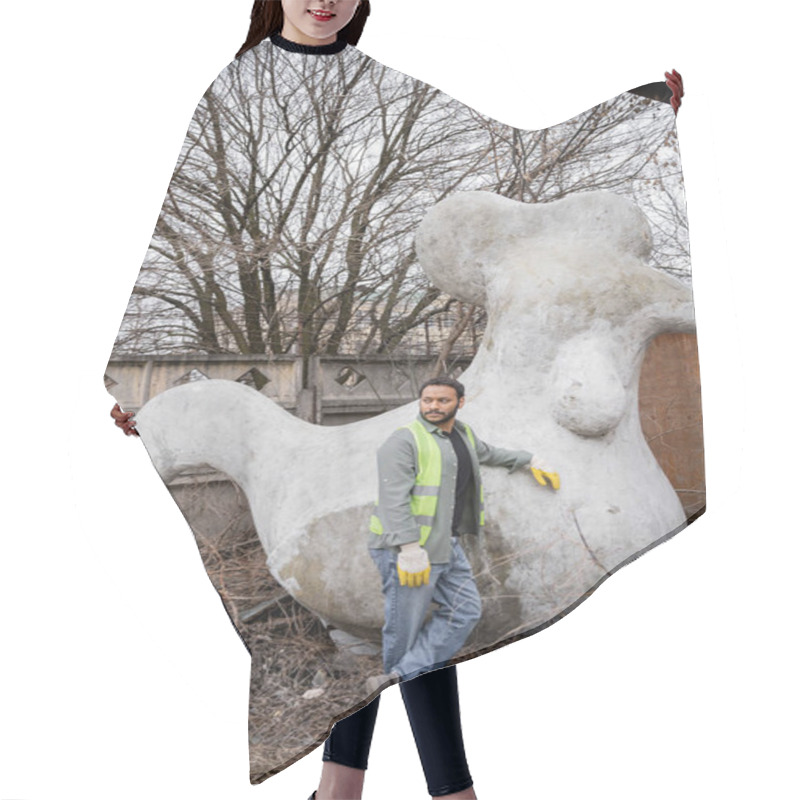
[(292, 652)]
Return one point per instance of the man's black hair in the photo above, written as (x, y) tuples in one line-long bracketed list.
[(443, 381)]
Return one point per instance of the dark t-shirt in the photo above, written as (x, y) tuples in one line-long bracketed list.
[(463, 477)]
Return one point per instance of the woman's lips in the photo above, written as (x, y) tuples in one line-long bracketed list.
[(323, 16)]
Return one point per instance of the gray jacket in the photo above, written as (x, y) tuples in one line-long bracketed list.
[(397, 470)]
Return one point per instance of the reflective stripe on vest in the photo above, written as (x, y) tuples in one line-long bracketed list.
[(425, 494)]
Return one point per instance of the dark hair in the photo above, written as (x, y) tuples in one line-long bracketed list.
[(442, 381), (266, 18)]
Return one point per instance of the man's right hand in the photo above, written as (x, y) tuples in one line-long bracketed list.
[(413, 565)]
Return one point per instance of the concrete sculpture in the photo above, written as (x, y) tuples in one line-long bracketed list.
[(571, 308)]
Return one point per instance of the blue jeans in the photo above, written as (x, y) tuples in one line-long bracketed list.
[(411, 645)]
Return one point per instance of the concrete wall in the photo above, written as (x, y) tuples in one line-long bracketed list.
[(339, 389), (345, 389)]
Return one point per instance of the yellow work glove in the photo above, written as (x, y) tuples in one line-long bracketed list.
[(413, 565), (544, 474)]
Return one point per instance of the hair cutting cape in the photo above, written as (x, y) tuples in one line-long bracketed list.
[(335, 233)]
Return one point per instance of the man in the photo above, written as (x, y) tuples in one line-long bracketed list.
[(430, 494)]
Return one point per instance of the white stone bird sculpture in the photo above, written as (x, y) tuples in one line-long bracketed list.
[(571, 306)]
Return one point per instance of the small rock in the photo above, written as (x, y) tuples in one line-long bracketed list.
[(320, 678)]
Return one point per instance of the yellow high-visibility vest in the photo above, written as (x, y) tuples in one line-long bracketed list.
[(425, 494)]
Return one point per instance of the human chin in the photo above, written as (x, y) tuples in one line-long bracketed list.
[(322, 22), (299, 20), (438, 417)]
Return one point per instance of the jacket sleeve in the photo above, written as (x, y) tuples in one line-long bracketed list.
[(500, 457), (397, 472)]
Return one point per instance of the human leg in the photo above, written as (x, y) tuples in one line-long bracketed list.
[(346, 754), (338, 782), (458, 609), (433, 710), (432, 705), (405, 607), (351, 737)]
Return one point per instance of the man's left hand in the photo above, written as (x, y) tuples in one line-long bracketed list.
[(544, 475)]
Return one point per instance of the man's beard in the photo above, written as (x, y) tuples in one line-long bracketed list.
[(440, 420)]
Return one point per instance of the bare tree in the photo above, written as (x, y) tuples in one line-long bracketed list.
[(289, 220)]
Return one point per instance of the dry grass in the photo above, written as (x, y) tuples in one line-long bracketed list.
[(290, 648)]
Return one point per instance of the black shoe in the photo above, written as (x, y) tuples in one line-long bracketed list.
[(313, 795)]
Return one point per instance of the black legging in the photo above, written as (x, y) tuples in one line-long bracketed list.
[(432, 706)]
